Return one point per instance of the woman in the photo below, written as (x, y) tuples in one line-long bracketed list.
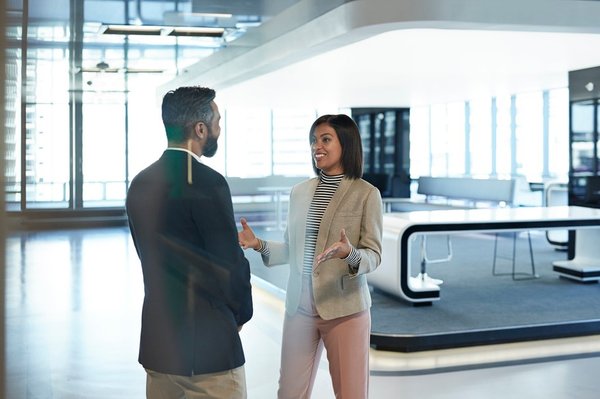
[(333, 238)]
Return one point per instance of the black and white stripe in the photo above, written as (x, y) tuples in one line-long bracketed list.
[(321, 199)]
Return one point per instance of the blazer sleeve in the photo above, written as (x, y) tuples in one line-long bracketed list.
[(369, 244), (279, 254)]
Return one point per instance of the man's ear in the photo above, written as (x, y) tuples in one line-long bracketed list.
[(200, 130)]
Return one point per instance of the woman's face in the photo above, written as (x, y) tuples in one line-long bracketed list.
[(327, 150)]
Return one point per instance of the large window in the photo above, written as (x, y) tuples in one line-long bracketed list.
[(439, 140), (91, 116), (420, 139), (83, 116), (558, 134), (145, 131), (529, 136), (263, 142), (506, 137), (480, 145), (291, 149), (104, 139), (248, 142), (456, 139), (47, 138)]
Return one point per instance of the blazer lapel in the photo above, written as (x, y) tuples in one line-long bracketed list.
[(329, 214), (301, 209)]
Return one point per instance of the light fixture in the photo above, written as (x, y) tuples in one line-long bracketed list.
[(196, 31), (130, 30), (103, 67), (159, 30), (589, 86), (210, 14)]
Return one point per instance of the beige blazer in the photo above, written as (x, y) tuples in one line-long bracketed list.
[(356, 206)]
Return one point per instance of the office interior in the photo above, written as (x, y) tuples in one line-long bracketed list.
[(457, 89)]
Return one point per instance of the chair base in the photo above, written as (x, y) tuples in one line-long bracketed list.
[(514, 274)]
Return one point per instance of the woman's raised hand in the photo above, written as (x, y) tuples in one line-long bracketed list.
[(246, 237), (340, 249)]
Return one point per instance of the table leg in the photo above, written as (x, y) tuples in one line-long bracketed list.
[(585, 266)]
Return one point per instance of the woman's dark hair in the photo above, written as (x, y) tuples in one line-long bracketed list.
[(183, 108), (349, 137)]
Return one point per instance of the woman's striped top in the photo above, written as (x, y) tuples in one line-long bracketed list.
[(323, 194)]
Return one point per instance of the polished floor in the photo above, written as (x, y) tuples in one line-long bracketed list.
[(73, 301)]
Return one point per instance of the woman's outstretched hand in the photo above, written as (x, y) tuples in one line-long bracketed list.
[(340, 249), (246, 237)]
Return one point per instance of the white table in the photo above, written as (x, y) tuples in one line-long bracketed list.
[(395, 273)]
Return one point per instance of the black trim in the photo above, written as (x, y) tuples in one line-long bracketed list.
[(423, 296), (416, 343), (580, 274)]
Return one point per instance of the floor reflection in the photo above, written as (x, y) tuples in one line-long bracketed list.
[(73, 304)]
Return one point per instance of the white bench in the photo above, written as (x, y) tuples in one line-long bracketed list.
[(455, 193)]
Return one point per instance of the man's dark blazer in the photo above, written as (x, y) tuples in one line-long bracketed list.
[(196, 278)]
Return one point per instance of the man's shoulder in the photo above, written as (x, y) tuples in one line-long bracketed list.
[(146, 172), (208, 172)]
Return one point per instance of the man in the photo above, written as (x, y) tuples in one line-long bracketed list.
[(196, 279)]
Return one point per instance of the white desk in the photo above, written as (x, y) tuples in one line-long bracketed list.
[(394, 274)]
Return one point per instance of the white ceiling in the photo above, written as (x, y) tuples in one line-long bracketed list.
[(370, 53), (411, 67)]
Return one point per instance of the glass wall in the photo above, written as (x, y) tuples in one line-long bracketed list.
[(502, 124), (529, 135), (259, 142), (455, 120), (558, 124), (91, 118), (480, 137), (83, 116), (525, 135), (291, 150)]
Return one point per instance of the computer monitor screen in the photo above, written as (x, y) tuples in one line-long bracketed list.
[(379, 180), (592, 190)]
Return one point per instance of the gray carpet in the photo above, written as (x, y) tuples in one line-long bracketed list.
[(476, 307)]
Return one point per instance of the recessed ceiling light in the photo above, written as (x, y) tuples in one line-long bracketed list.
[(130, 30), (209, 14), (156, 30), (196, 31)]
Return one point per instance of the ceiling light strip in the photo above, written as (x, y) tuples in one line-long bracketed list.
[(161, 30)]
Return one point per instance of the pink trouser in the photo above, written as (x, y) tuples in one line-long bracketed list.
[(346, 340)]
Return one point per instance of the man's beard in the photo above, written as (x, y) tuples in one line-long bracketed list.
[(210, 148)]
